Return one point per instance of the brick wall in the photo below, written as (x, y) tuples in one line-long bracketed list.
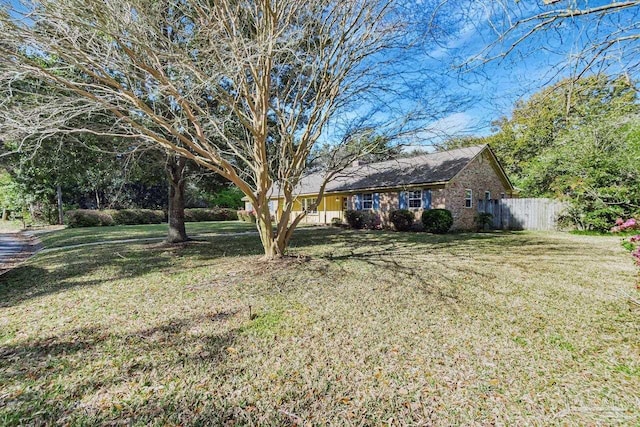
[(479, 176), (390, 201)]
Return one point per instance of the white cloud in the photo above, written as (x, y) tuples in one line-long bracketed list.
[(453, 124)]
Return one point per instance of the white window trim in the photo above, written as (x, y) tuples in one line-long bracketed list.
[(470, 198), (363, 201), (409, 199)]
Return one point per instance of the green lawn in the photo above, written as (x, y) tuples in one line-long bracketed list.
[(360, 328), (75, 236)]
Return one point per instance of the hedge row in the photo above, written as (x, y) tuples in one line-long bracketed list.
[(204, 214), (87, 218), (95, 218)]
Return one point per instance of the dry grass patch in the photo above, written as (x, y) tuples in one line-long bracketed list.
[(373, 328)]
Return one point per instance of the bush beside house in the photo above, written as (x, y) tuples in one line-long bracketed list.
[(437, 221), (402, 219), (362, 219), (483, 221)]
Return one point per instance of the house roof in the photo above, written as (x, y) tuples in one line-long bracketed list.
[(432, 168)]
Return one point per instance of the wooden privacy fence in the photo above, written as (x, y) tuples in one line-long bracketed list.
[(523, 214)]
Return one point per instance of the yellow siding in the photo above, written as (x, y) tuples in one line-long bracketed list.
[(330, 203), (334, 202)]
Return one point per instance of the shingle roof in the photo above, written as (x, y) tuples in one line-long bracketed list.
[(424, 169)]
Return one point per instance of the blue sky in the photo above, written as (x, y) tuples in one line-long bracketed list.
[(489, 91), (542, 59)]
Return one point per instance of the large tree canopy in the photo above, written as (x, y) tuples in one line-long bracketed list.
[(577, 140), (243, 88)]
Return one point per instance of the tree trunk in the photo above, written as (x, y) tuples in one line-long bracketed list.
[(175, 173), (97, 200), (274, 244), (273, 247), (60, 211), (5, 214)]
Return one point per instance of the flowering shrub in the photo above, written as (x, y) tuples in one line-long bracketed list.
[(633, 242), (621, 225)]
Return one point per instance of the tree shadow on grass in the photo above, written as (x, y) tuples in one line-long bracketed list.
[(345, 244), (408, 256), (374, 238), (58, 271), (79, 374)]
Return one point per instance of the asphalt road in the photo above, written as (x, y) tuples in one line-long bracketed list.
[(10, 246)]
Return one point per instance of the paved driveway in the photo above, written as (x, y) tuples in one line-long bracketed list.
[(11, 246)]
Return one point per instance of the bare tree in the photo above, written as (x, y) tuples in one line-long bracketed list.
[(593, 37), (252, 85)]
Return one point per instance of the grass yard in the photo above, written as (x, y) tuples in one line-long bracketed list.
[(77, 236), (363, 328)]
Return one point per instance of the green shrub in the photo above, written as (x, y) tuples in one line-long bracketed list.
[(137, 216), (196, 215), (483, 221), (336, 222), (214, 214), (227, 198), (355, 219), (247, 216), (437, 221), (362, 219), (226, 214), (402, 219), (87, 218)]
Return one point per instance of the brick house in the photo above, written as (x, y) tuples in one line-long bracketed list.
[(456, 180)]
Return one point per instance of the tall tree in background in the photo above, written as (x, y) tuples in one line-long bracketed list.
[(541, 122), (279, 69), (579, 141), (43, 161), (76, 150)]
